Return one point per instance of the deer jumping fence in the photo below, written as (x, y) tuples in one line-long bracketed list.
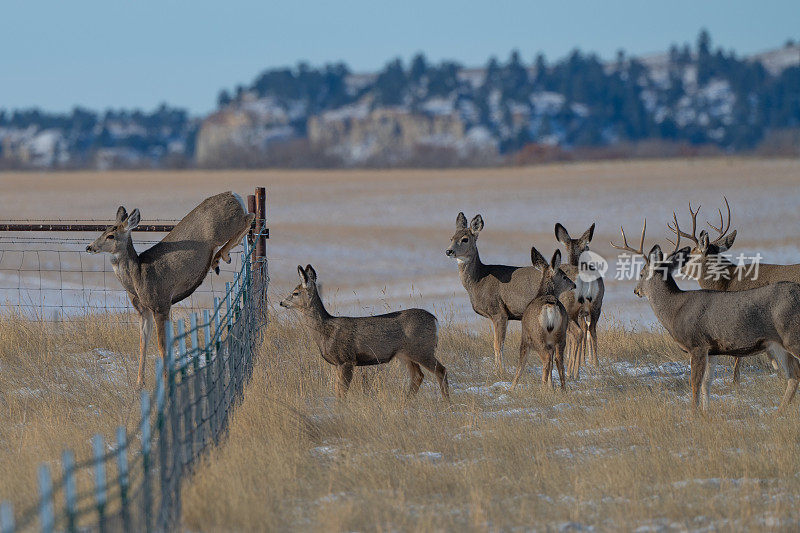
[(136, 479)]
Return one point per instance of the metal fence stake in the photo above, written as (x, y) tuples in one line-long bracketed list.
[(147, 491), (46, 516), (122, 476), (99, 480), (6, 518), (70, 490)]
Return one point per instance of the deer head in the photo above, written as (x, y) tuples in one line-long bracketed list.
[(302, 297), (554, 281), (464, 243), (114, 240), (656, 269), (575, 247), (703, 246)]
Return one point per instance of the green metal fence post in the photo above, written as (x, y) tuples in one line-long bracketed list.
[(208, 374), (46, 518), (181, 338), (100, 495), (197, 381), (70, 490), (6, 518), (207, 335), (176, 446), (165, 444), (219, 385), (228, 325), (147, 491), (122, 475)]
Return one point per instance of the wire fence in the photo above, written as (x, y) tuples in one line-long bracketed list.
[(133, 482), (52, 277)]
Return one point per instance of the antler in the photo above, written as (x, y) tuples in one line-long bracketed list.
[(625, 246), (676, 229), (719, 229)]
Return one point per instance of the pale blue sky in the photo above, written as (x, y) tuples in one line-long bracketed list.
[(111, 53)]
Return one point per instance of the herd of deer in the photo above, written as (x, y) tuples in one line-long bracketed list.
[(739, 313)]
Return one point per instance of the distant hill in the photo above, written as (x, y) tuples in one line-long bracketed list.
[(688, 100)]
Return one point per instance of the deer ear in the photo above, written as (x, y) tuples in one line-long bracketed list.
[(726, 242), (303, 277), (133, 220), (461, 221), (555, 262), (655, 255), (537, 259), (476, 225), (703, 241), (122, 214), (562, 235), (679, 257), (586, 238), (311, 274)]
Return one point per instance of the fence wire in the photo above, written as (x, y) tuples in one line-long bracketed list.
[(54, 278), (136, 478)]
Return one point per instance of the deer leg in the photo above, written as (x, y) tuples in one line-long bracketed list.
[(737, 362), (162, 323), (708, 375), (224, 252), (788, 366), (523, 358), (437, 369), (698, 365), (575, 344), (547, 366), (500, 323), (593, 335), (146, 329), (560, 365), (343, 377), (580, 349), (415, 373)]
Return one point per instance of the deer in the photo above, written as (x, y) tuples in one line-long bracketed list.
[(585, 303), (545, 320), (707, 323), (714, 271), (497, 292), (172, 269), (346, 342)]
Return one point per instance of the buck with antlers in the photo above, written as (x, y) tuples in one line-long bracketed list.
[(172, 269), (714, 271), (497, 292), (708, 323), (545, 320), (584, 304), (348, 342)]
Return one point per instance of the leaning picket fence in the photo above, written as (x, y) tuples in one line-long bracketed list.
[(134, 483)]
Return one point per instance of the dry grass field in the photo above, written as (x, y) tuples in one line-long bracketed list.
[(621, 449)]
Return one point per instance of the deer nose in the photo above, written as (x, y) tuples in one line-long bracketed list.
[(89, 248), (449, 252)]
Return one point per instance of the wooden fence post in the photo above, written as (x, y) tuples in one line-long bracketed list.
[(251, 208), (70, 490), (46, 517), (260, 256)]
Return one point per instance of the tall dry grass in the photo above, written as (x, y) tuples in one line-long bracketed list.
[(60, 383), (621, 449)]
